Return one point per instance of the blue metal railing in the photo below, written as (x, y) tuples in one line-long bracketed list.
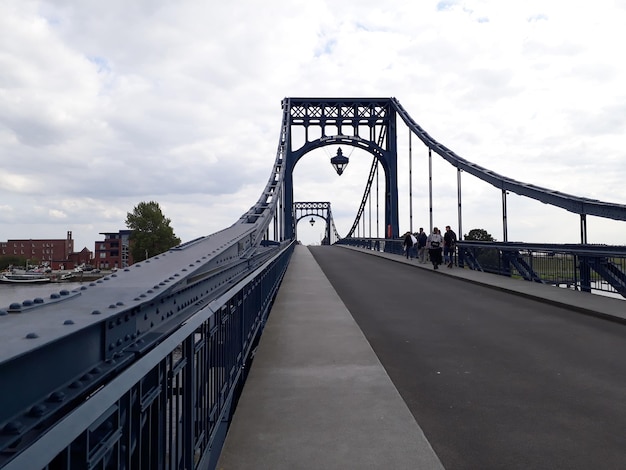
[(587, 268), (171, 407)]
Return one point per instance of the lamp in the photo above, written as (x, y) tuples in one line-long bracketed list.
[(312, 221), (339, 162)]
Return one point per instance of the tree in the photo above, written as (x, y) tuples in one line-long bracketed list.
[(152, 233), (487, 258), (479, 234)]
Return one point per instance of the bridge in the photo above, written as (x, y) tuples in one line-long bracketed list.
[(144, 368)]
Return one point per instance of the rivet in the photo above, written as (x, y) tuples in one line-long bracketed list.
[(68, 322), (96, 312), (64, 292), (32, 336), (38, 300), (56, 397), (37, 410), (12, 427)]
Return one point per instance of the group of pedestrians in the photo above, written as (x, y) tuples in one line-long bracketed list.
[(440, 248)]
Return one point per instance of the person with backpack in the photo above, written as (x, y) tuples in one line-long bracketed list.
[(435, 244), (449, 244)]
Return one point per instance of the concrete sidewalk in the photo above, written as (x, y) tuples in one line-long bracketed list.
[(317, 397), (583, 302)]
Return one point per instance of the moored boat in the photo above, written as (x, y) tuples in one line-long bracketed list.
[(24, 278)]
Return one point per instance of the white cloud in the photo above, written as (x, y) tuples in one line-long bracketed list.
[(107, 104)]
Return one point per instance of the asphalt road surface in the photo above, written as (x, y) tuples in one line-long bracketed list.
[(496, 381)]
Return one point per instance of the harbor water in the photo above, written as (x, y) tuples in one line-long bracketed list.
[(10, 293)]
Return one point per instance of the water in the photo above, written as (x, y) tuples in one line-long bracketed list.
[(10, 293)]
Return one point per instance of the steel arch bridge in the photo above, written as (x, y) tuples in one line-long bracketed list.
[(165, 342), (317, 209)]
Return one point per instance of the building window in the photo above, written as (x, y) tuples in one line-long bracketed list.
[(103, 254)]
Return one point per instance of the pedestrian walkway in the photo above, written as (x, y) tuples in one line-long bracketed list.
[(584, 302), (317, 397)]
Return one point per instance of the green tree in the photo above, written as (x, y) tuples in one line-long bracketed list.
[(488, 258), (11, 260), (479, 234), (152, 233)]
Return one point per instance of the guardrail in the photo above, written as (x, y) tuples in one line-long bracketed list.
[(170, 408), (588, 268)]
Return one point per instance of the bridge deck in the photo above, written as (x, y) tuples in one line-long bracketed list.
[(317, 397)]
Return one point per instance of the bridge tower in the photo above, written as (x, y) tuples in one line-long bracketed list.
[(365, 123), (314, 209)]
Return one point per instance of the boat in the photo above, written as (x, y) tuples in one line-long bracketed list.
[(24, 278)]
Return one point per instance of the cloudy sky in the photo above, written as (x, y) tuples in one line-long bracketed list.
[(107, 104)]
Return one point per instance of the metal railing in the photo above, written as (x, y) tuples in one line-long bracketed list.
[(587, 268), (170, 408)]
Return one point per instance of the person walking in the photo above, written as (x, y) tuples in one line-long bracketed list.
[(449, 245), (408, 243), (434, 243), (421, 245)]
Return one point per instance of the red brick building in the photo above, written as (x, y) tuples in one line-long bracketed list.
[(56, 253), (113, 251)]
